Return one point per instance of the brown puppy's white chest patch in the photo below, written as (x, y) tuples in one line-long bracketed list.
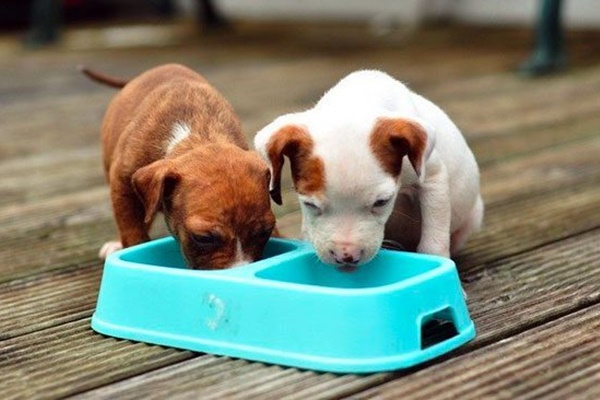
[(179, 132), (240, 257)]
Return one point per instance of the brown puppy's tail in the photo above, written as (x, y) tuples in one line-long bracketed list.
[(104, 79)]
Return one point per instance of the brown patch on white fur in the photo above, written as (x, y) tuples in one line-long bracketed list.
[(394, 138), (308, 171)]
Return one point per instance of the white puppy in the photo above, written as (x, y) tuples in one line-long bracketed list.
[(373, 158)]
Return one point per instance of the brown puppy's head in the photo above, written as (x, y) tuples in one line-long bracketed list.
[(216, 203)]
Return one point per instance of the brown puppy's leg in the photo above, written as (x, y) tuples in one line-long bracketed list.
[(129, 214)]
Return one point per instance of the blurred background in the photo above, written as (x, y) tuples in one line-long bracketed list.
[(46, 19)]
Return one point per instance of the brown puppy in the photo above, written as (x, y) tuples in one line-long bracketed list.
[(172, 143)]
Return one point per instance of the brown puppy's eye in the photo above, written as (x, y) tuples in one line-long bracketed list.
[(206, 240), (264, 234)]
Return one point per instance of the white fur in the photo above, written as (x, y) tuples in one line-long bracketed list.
[(340, 125), (240, 257), (108, 248), (179, 132)]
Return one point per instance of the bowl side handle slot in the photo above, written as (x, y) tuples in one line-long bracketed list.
[(438, 327)]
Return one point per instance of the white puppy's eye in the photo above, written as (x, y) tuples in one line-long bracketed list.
[(380, 203), (315, 209)]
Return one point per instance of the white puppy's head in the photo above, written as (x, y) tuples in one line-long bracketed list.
[(346, 176)]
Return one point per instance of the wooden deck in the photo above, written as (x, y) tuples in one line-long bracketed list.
[(532, 275)]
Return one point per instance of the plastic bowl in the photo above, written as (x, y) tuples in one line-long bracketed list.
[(399, 310)]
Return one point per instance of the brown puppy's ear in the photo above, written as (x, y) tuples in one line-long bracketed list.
[(394, 138), (296, 144), (152, 183)]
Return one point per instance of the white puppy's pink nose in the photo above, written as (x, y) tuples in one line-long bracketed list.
[(346, 253)]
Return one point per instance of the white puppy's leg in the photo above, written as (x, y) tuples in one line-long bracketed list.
[(471, 225), (435, 210)]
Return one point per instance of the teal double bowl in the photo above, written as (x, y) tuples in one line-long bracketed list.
[(399, 310)]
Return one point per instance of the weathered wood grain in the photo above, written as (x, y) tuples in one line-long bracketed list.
[(544, 171), (55, 173), (47, 300), (534, 102), (67, 359), (534, 221)]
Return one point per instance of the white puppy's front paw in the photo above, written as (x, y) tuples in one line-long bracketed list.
[(109, 248)]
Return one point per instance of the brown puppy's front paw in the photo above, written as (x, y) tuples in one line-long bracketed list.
[(109, 248)]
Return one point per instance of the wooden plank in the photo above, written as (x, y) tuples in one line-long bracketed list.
[(557, 360), (64, 248), (77, 358), (535, 286), (64, 231), (48, 300), (200, 371), (68, 122), (542, 172), (51, 173), (57, 233), (534, 221), (529, 104), (496, 149)]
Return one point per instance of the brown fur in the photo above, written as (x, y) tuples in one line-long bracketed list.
[(208, 185), (308, 171), (392, 139)]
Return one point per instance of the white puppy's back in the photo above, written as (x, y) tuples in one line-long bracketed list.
[(366, 91)]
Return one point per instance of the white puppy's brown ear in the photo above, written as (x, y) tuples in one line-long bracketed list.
[(152, 183), (394, 138), (293, 142)]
